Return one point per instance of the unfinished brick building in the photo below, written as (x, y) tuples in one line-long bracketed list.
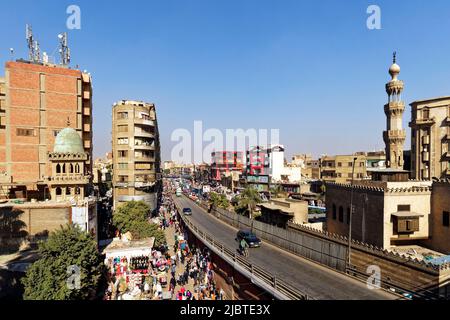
[(36, 101)]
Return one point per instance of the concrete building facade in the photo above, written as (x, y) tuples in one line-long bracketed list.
[(36, 101), (136, 153), (430, 138), (339, 168)]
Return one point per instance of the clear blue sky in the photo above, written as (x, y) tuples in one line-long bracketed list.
[(309, 68)]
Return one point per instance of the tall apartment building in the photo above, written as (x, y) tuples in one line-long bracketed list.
[(430, 138), (36, 102), (136, 153)]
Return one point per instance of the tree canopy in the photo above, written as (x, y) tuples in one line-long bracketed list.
[(68, 252), (247, 202), (134, 217), (219, 200)]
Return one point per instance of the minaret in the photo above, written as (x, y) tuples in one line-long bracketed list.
[(394, 136)]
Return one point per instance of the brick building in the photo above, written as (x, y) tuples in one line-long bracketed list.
[(36, 101)]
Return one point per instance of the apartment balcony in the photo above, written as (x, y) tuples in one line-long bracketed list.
[(144, 134), (144, 122), (144, 159), (144, 147)]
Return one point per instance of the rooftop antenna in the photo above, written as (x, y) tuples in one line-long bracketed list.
[(64, 50), (395, 56), (37, 52), (30, 42)]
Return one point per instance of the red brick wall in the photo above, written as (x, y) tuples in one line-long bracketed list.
[(61, 89)]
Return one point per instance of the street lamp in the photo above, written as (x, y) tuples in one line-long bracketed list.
[(351, 215)]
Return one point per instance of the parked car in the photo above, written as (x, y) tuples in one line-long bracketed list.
[(252, 240), (187, 211)]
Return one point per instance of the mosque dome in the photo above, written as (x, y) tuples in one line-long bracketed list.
[(68, 141)]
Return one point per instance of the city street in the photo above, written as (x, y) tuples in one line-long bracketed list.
[(316, 281)]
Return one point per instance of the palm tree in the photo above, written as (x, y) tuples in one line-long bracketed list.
[(249, 199)]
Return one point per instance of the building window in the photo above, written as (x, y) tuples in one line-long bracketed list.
[(68, 191), (58, 191), (77, 191), (25, 132), (123, 153), (123, 166), (341, 214), (425, 114), (58, 168), (403, 208), (77, 168), (446, 219), (334, 212), (339, 164), (122, 128), (122, 115), (122, 142)]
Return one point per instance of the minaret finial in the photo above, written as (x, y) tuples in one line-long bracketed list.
[(395, 56), (68, 121)]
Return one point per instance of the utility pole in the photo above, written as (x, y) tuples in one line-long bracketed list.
[(351, 216)]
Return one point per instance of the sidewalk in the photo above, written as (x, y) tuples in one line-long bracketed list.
[(170, 236)]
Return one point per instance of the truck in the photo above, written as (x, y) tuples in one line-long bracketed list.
[(179, 192)]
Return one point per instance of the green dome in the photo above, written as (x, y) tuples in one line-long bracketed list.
[(68, 141)]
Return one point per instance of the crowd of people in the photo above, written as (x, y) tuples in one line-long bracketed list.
[(179, 272), (196, 268)]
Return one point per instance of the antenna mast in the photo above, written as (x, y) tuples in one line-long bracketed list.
[(64, 50), (34, 51)]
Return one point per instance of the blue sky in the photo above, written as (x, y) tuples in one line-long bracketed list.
[(311, 69)]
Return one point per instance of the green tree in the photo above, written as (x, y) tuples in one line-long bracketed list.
[(134, 217), (248, 201), (48, 278), (219, 200)]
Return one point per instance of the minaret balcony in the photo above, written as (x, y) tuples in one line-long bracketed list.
[(394, 86), (395, 134), (394, 108)]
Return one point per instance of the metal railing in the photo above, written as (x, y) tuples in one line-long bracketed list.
[(277, 287)]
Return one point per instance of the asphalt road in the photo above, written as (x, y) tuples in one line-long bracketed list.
[(313, 279)]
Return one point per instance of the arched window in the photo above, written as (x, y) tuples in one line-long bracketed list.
[(58, 168), (71, 168), (68, 190), (58, 191), (77, 168), (341, 214), (334, 211), (77, 190), (64, 168)]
